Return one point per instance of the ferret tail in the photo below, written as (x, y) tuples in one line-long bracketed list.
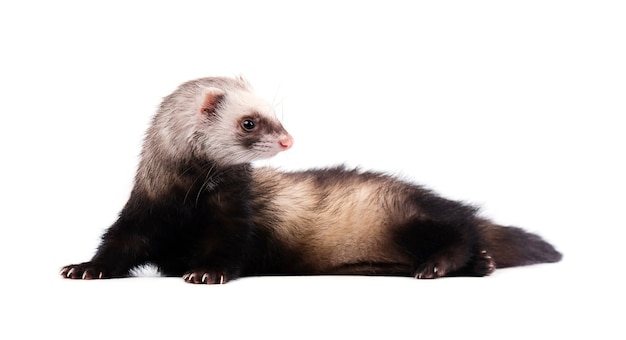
[(512, 246)]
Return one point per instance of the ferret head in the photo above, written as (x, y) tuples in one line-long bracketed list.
[(221, 120)]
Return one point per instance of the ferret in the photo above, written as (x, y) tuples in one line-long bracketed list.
[(200, 210)]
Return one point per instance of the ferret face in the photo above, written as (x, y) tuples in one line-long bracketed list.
[(235, 126)]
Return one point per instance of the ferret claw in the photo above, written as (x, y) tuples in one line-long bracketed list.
[(205, 276)]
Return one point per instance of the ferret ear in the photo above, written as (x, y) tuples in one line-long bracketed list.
[(211, 99)]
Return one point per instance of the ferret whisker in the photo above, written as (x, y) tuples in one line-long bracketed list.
[(207, 169), (190, 186), (275, 96), (206, 184), (200, 192)]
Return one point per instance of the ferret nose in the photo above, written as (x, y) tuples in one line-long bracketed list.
[(285, 142)]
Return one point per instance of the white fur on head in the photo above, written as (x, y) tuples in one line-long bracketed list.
[(203, 118), (222, 135)]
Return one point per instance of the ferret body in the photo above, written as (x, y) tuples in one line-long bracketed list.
[(199, 210)]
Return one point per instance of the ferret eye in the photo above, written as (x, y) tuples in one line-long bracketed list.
[(248, 125)]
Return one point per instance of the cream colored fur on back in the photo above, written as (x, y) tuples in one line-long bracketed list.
[(334, 225)]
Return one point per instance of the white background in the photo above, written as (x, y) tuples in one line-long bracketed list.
[(515, 106)]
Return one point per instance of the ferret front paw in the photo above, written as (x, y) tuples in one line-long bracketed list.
[(84, 271), (209, 276), (431, 271)]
